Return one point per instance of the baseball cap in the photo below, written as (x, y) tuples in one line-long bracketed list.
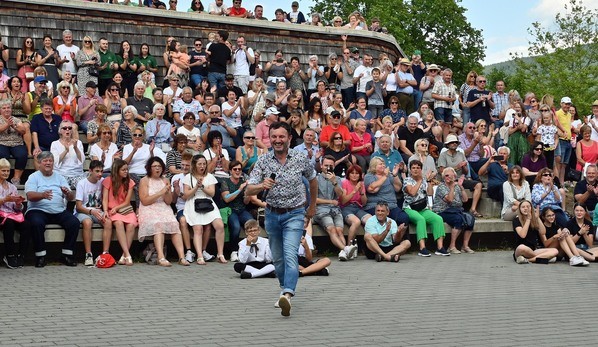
[(40, 79), (566, 100), (272, 110)]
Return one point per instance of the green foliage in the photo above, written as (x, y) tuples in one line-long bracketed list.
[(438, 28), (565, 62)]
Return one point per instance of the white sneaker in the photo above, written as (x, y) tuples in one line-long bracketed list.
[(522, 260), (342, 255), (190, 256), (234, 256), (276, 305), (207, 256), (352, 251), (575, 261), (285, 305), (584, 262), (88, 259)]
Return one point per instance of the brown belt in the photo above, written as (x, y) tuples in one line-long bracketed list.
[(281, 210)]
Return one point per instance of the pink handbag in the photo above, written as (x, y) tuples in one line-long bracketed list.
[(17, 217)]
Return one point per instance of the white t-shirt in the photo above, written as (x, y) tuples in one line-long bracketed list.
[(168, 91), (71, 165), (234, 121), (96, 151), (65, 52), (137, 164), (367, 76), (210, 155), (90, 194), (241, 62), (192, 135), (310, 244), (180, 202)]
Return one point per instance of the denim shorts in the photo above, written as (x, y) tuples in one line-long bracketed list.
[(354, 210), (444, 114), (564, 151)]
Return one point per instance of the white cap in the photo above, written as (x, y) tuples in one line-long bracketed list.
[(566, 100), (272, 110)]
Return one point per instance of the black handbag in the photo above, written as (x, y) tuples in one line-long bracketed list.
[(93, 71), (419, 205), (573, 175), (203, 205)]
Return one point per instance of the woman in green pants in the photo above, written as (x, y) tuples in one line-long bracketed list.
[(416, 190)]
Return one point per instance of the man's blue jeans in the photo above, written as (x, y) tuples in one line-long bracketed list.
[(196, 80), (236, 221), (216, 79), (284, 233)]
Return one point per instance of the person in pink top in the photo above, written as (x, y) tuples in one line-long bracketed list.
[(262, 129), (353, 200), (116, 194), (587, 149), (361, 143)]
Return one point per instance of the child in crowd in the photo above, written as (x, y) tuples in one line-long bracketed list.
[(178, 189), (548, 134), (180, 65), (255, 259), (376, 92), (89, 205), (308, 267), (146, 78), (116, 201)]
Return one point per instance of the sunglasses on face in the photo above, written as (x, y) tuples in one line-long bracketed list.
[(66, 87), (547, 175), (67, 128), (538, 149), (137, 135), (337, 138), (249, 137), (87, 41)]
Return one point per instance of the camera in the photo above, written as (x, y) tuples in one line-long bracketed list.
[(498, 157), (279, 60)]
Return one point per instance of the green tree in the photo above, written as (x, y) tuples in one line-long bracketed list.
[(565, 61), (437, 28)]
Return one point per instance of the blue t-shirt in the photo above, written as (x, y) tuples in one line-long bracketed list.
[(393, 158), (37, 182), (374, 227), (386, 192), (496, 175)]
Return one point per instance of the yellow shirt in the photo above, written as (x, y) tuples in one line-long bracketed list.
[(565, 121)]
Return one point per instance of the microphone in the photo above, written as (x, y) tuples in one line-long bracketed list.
[(266, 191)]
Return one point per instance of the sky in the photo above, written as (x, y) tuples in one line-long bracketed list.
[(503, 23)]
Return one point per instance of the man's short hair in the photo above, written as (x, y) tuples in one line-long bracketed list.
[(223, 34), (278, 125), (328, 157), (95, 164)]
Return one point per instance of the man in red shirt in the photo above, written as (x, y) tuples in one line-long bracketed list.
[(237, 10), (335, 125)]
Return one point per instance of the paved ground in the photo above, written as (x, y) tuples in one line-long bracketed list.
[(483, 299)]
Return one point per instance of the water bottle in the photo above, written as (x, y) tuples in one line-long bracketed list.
[(343, 173)]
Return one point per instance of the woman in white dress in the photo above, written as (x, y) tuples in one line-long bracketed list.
[(200, 184)]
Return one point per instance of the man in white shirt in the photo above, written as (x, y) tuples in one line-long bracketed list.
[(67, 52), (406, 84), (362, 75), (242, 58)]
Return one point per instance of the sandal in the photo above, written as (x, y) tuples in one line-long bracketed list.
[(378, 258), (201, 261), (395, 258), (128, 261), (164, 262), (221, 259), (476, 214), (122, 260), (183, 262)]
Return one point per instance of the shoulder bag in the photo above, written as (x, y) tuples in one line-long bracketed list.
[(202, 205)]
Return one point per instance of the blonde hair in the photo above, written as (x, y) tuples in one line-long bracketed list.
[(373, 163), (4, 164)]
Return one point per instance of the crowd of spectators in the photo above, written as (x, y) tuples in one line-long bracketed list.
[(398, 141)]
